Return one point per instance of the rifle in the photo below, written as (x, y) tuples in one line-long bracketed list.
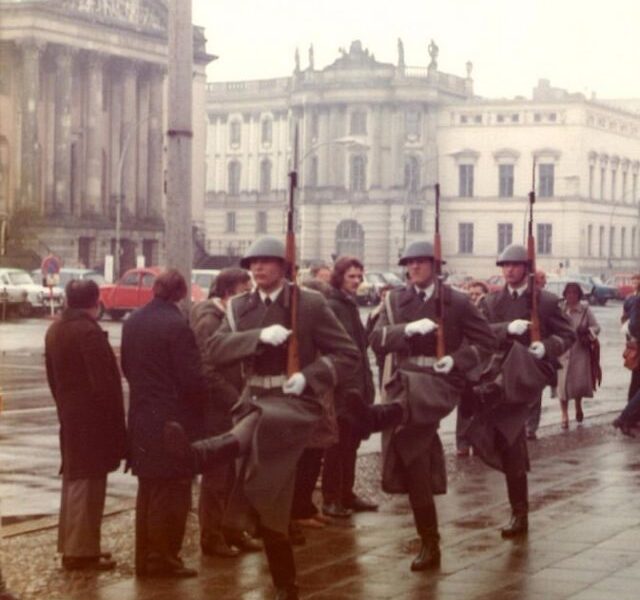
[(293, 350), (531, 256), (439, 279)]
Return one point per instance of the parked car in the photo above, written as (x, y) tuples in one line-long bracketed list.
[(12, 296), (622, 282), (600, 292), (556, 286), (204, 278), (367, 292), (495, 283), (133, 290), (66, 274), (38, 299), (458, 281)]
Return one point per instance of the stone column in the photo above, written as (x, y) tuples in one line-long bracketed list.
[(128, 137), (142, 136), (93, 195), (30, 145), (156, 143), (376, 146), (61, 201)]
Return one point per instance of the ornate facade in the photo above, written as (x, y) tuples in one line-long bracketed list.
[(82, 121), (375, 137)]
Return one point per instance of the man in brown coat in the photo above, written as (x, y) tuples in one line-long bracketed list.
[(85, 382), (255, 333), (223, 389)]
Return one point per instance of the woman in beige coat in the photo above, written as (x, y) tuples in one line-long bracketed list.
[(575, 379)]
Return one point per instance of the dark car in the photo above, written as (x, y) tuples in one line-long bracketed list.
[(601, 293), (556, 285)]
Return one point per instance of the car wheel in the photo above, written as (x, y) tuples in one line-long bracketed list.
[(602, 301), (101, 311), (25, 309), (116, 315)]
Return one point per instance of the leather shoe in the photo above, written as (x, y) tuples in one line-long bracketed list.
[(623, 427), (357, 504), (245, 542), (87, 563), (519, 525), (336, 510), (287, 593), (169, 573), (218, 546), (428, 557)]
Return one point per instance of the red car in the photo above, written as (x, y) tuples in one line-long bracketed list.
[(132, 290), (623, 283)]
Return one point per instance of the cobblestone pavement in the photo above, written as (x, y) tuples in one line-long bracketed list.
[(583, 543)]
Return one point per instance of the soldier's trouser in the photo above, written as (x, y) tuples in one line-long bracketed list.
[(339, 470), (280, 558), (514, 462), (418, 476), (215, 488), (307, 473)]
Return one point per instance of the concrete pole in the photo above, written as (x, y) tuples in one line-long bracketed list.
[(178, 236)]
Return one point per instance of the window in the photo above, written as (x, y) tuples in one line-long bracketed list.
[(505, 173), (465, 238), (315, 125), (130, 280), (412, 123), (411, 174), (265, 176), (358, 179), (591, 176), (614, 174), (544, 238), (612, 241), (545, 181), (505, 235), (261, 221), (465, 174), (416, 220), (603, 177), (234, 178), (350, 239), (313, 172), (625, 191), (634, 234), (231, 222), (235, 133), (358, 123), (634, 187), (148, 280), (267, 131), (601, 241), (623, 242), (589, 240)]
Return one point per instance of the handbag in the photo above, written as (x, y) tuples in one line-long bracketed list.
[(631, 355)]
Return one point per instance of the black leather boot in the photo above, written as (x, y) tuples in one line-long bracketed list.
[(287, 593), (518, 526), (426, 520), (385, 416)]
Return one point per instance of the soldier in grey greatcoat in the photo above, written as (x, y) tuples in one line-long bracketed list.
[(427, 385), (526, 368), (255, 333)]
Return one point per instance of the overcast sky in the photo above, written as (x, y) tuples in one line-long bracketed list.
[(581, 45)]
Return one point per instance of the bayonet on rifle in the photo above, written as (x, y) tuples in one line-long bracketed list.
[(439, 280), (531, 256)]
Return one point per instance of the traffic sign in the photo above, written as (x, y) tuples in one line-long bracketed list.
[(50, 265)]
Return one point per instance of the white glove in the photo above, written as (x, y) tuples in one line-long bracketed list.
[(295, 384), (420, 327), (444, 365), (274, 335), (537, 349), (518, 327), (625, 328)]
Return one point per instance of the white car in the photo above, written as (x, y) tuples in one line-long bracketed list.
[(38, 299)]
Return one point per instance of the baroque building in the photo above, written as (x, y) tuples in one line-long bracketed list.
[(83, 105), (374, 138)]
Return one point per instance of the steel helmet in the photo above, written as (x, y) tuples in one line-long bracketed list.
[(264, 247), (416, 250), (514, 253)]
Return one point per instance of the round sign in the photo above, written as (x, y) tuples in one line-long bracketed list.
[(50, 265)]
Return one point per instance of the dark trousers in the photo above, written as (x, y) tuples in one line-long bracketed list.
[(215, 488), (535, 412), (631, 413), (280, 558), (515, 463), (418, 478), (339, 471), (162, 506), (307, 473), (634, 385)]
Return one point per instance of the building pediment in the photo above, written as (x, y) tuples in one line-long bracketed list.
[(466, 155), (552, 154), (506, 155), (357, 58)]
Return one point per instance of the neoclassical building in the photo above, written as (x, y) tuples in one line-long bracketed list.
[(82, 119), (374, 137)]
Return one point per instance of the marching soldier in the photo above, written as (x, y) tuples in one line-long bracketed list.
[(526, 368), (426, 386), (255, 332)]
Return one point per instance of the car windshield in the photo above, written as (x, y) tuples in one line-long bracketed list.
[(20, 278), (392, 278)]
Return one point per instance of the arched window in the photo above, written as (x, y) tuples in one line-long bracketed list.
[(235, 132), (265, 176), (350, 239), (411, 174), (267, 131), (234, 178), (358, 179)]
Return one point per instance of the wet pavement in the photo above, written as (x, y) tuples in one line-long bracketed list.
[(583, 540)]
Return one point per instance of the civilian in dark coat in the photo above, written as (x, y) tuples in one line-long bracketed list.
[(338, 474), (223, 389), (161, 362), (85, 382)]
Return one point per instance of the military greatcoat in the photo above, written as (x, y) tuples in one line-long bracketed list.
[(327, 355)]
